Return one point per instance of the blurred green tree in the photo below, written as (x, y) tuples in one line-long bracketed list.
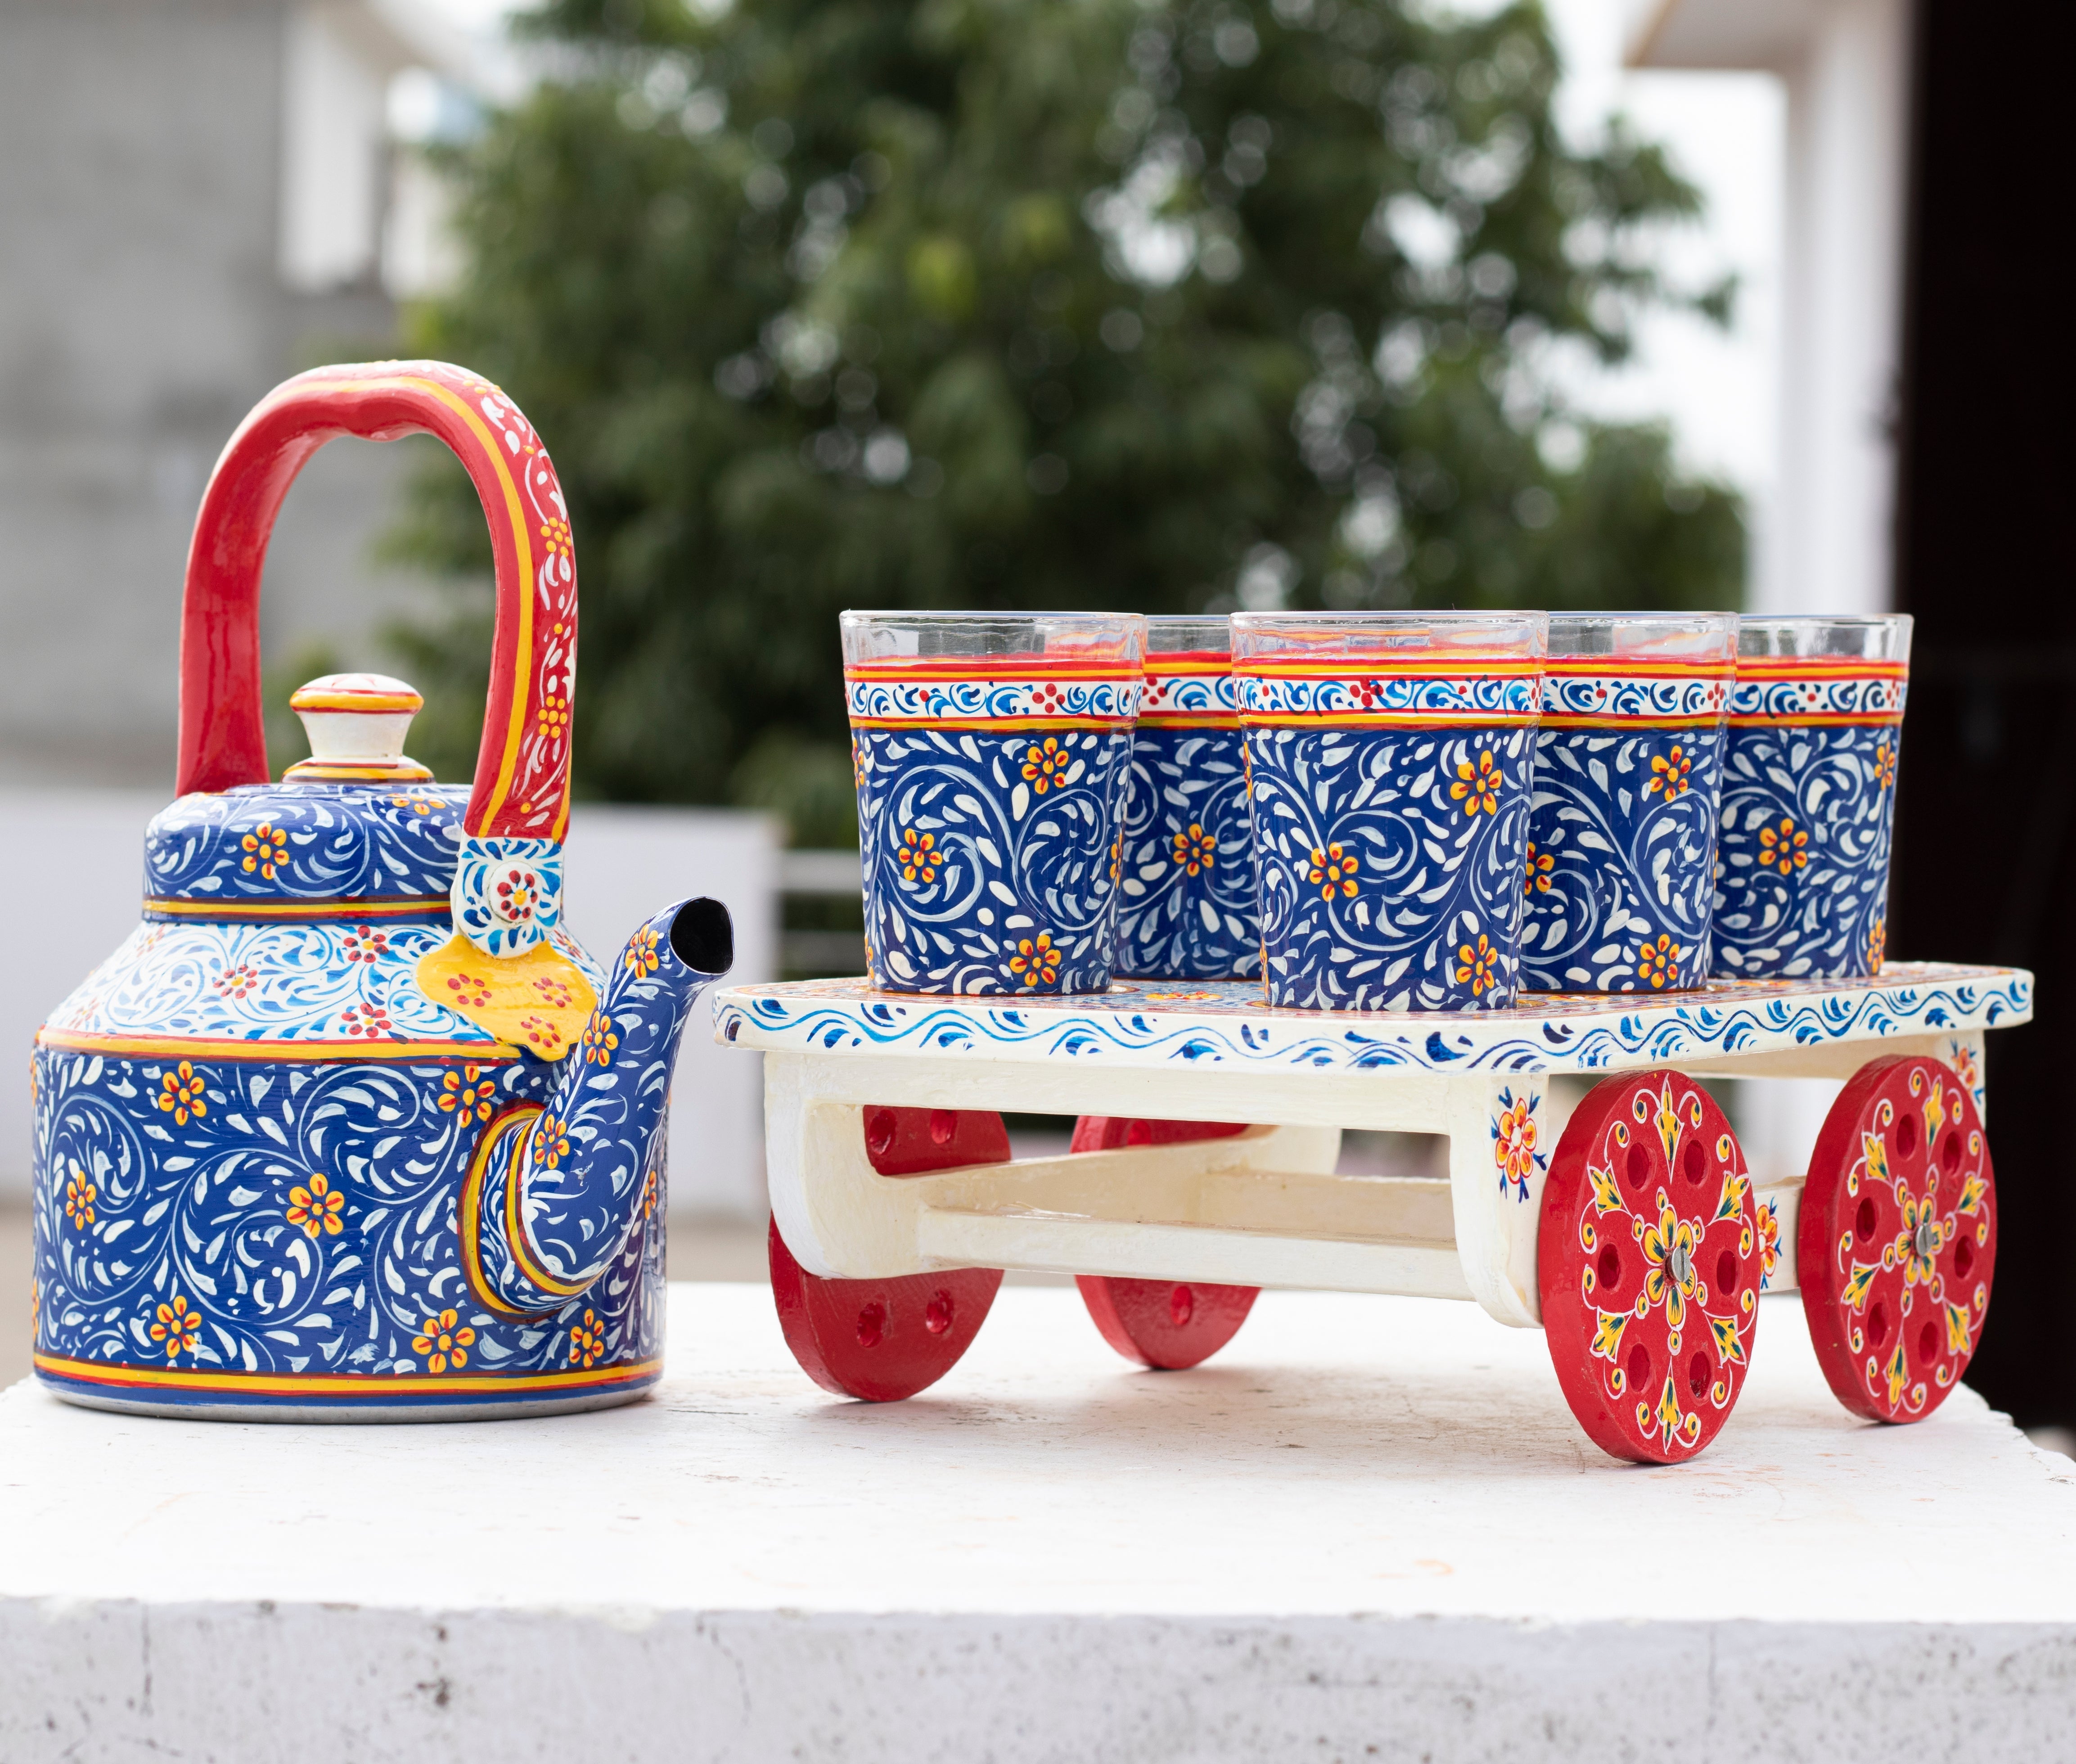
[(1170, 305)]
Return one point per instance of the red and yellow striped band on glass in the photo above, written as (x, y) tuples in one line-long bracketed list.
[(1817, 690), (982, 691)]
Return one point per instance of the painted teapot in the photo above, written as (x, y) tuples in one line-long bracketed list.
[(351, 1128)]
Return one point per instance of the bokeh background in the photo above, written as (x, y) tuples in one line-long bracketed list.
[(1175, 304)]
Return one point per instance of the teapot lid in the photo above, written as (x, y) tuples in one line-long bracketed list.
[(357, 830)]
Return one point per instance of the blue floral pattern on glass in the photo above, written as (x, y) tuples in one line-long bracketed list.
[(1390, 864), (1620, 845), (991, 855), (1803, 850)]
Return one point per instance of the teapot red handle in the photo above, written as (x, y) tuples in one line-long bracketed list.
[(522, 769)]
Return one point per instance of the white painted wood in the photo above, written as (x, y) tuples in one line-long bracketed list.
[(1370, 1522), (1787, 1201), (1495, 1227)]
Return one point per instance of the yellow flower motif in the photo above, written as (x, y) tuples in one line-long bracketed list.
[(180, 1095), (551, 1140), (857, 763), (641, 952), (1513, 1149), (1540, 864), (919, 857), (467, 1092), (553, 720), (1877, 944), (177, 1328), (1476, 965), (1669, 1277), (1668, 773), (598, 1040), (1885, 765), (266, 850), (1035, 961), (1116, 859), (80, 1195), (586, 1342), (1042, 766), (1917, 1246), (1786, 848), (1658, 962), (1333, 868), (443, 1344), (555, 536), (1478, 787), (1197, 850), (316, 1207)]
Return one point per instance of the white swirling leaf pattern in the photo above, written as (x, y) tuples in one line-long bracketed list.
[(1188, 910), (1390, 864), (1803, 850), (990, 858), (1151, 1026), (1622, 845)]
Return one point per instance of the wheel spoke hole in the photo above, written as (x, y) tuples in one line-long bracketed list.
[(1181, 1306), (1697, 1376), (1964, 1257), (944, 1123), (1864, 1220), (1950, 1150), (1906, 1136), (1726, 1274), (871, 1325), (1695, 1162), (879, 1127), (1638, 1366), (1608, 1268), (937, 1313), (1927, 1343), (1638, 1166), (1878, 1323)]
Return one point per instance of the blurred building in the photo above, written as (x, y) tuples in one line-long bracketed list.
[(197, 197)]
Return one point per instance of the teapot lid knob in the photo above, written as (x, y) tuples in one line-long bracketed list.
[(356, 724)]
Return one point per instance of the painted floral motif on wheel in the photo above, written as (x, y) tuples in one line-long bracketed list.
[(991, 856), (1898, 1240), (1649, 1267), (1623, 827), (1391, 863)]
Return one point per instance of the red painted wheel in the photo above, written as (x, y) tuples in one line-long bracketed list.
[(1168, 1325), (1647, 1265), (1898, 1240), (885, 1340)]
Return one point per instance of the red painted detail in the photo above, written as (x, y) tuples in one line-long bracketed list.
[(885, 1340), (521, 787), (1648, 1264), (1163, 1323), (1898, 1241)]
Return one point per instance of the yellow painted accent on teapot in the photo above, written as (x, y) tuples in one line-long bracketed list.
[(539, 1001)]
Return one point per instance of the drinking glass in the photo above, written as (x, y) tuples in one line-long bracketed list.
[(1188, 909), (1809, 797), (1621, 830), (1389, 757), (991, 752)]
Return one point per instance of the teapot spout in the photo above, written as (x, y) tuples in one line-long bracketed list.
[(555, 1193)]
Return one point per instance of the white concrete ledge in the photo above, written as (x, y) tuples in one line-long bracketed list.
[(1371, 1529)]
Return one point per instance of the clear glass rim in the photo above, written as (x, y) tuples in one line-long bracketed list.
[(1188, 634), (1866, 636), (895, 635), (1651, 636), (1411, 632)]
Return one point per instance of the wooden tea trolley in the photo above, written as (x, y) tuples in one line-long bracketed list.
[(1203, 1169)]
